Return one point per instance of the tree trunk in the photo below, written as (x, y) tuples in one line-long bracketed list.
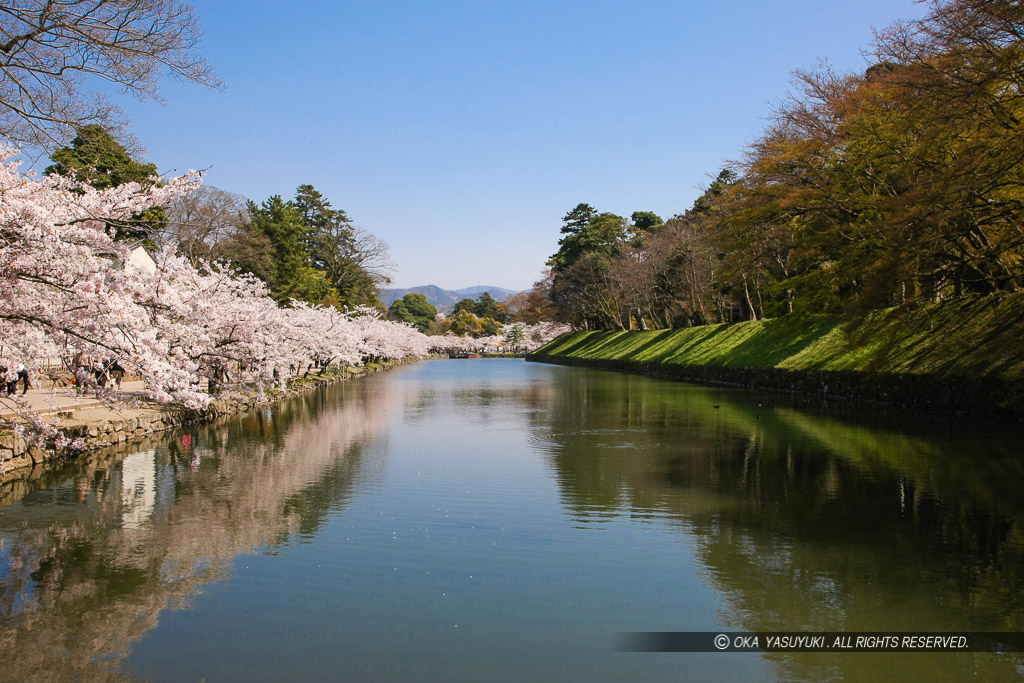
[(750, 304)]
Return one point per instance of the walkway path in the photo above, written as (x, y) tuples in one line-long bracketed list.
[(62, 399)]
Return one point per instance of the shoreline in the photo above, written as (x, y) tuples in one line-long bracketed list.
[(970, 396), (960, 356), (103, 426)]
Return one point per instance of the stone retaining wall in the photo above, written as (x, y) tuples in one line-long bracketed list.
[(102, 427), (964, 395)]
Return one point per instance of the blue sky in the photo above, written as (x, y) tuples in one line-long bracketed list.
[(461, 132)]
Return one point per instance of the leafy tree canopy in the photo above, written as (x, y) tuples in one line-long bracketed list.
[(414, 309), (97, 159), (466, 304), (602, 233), (646, 222)]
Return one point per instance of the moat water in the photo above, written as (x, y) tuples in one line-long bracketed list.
[(505, 521)]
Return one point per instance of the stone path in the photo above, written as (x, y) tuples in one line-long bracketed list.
[(63, 400)]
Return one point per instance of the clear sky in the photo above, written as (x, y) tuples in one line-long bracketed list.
[(460, 132)]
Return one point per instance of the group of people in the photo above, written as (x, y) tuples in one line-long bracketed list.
[(103, 370), (20, 374)]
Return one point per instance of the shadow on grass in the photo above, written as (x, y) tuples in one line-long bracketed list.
[(698, 341), (972, 336), (776, 340), (568, 344), (977, 336), (656, 338)]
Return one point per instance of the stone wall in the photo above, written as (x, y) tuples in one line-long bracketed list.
[(980, 396), (101, 427)]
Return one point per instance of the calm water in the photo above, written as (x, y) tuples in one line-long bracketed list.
[(501, 520)]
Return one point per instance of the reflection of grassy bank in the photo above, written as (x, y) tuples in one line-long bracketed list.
[(950, 463), (977, 336), (680, 424), (838, 522)]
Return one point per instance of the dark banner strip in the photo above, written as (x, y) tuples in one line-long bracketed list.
[(789, 641)]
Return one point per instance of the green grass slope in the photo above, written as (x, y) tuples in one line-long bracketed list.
[(969, 337)]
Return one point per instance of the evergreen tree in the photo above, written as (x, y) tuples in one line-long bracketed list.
[(294, 276), (413, 308), (97, 159)]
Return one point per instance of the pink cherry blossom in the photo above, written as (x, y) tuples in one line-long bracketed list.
[(65, 290)]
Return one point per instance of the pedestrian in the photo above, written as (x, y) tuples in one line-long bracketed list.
[(83, 366), (100, 370), (20, 376), (117, 373), (23, 376)]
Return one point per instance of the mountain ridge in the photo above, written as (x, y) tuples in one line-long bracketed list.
[(445, 299)]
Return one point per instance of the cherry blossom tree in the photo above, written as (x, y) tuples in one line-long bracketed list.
[(68, 289), (525, 337), (540, 334)]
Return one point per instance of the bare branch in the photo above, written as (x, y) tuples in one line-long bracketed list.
[(50, 49)]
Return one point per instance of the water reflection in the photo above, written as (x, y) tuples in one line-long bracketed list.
[(840, 520), (87, 565), (540, 509)]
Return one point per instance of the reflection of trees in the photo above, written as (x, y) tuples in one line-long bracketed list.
[(92, 561), (480, 404), (481, 391), (803, 521)]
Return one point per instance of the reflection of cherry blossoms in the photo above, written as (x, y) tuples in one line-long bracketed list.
[(64, 290), (251, 484)]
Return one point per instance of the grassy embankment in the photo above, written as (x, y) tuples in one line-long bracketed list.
[(971, 337)]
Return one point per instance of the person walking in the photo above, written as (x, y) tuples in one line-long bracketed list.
[(83, 366), (21, 376), (117, 373), (102, 372)]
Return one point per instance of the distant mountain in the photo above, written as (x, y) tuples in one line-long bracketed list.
[(498, 293), (435, 295), (445, 299)]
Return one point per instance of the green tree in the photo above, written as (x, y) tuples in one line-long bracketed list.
[(574, 221), (315, 209), (603, 233), (489, 327), (97, 159), (419, 306), (465, 323), (294, 277), (464, 305), (414, 309), (305, 249), (582, 268), (516, 334), (487, 307), (646, 222), (352, 260)]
